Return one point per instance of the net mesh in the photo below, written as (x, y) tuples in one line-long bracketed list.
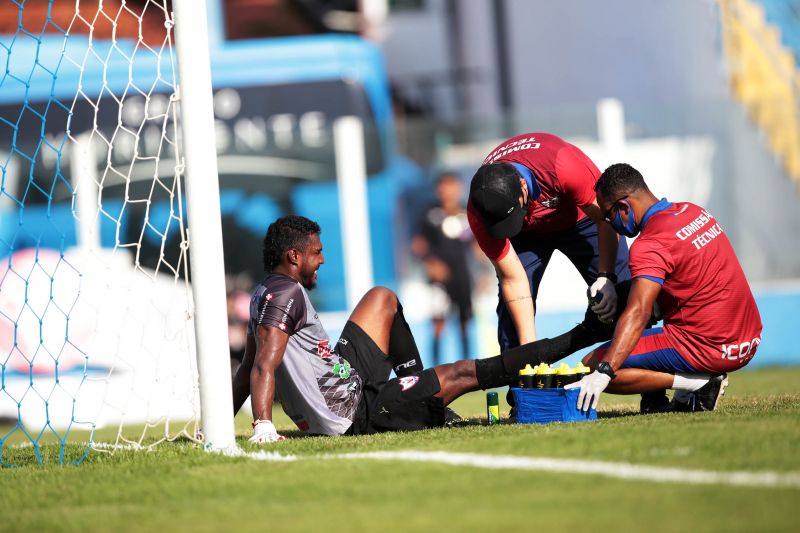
[(96, 340)]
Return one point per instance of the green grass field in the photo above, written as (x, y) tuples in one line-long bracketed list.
[(177, 486)]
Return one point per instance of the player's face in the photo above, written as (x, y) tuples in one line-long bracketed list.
[(312, 258), (449, 192)]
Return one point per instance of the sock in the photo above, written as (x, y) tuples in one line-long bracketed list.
[(403, 352), (689, 382), (503, 369)]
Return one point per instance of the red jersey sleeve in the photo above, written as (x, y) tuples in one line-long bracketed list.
[(648, 257), (577, 175), (495, 249)]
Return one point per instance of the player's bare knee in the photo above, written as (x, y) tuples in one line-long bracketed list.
[(382, 298)]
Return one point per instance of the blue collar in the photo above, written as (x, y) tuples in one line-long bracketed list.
[(534, 191), (657, 207)]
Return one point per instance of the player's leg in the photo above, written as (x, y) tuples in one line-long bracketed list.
[(463, 328), (437, 325), (582, 247), (655, 365), (534, 252), (459, 290), (380, 315)]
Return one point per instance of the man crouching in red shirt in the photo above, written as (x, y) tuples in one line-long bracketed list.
[(683, 262)]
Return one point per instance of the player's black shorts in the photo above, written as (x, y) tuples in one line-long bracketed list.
[(399, 404)]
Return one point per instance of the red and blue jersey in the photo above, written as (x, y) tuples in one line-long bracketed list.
[(565, 175), (710, 315)]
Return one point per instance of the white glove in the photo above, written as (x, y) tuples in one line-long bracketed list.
[(607, 305), (591, 386), (264, 431)]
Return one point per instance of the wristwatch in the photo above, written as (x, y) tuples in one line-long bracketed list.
[(605, 368), (610, 275)]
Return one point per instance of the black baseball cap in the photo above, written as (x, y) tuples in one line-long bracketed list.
[(494, 193)]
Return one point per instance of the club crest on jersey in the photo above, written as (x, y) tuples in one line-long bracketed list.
[(268, 297), (324, 349), (407, 382), (282, 326)]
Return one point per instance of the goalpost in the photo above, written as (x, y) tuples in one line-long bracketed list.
[(113, 329)]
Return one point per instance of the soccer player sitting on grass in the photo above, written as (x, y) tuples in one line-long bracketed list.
[(683, 261), (345, 389)]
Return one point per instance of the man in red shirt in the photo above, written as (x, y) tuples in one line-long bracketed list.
[(534, 194), (683, 261)]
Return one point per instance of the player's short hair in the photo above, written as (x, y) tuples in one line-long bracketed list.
[(286, 233), (618, 180)]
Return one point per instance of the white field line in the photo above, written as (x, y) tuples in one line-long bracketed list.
[(658, 474)]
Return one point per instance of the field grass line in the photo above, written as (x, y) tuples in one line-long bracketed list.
[(619, 470)]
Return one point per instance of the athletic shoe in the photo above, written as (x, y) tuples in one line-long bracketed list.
[(453, 420), (703, 399), (654, 402)]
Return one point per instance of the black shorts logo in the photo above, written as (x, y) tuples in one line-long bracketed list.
[(407, 382)]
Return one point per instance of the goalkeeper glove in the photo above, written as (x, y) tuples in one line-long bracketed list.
[(264, 431)]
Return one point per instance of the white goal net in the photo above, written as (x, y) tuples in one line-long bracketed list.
[(96, 330)]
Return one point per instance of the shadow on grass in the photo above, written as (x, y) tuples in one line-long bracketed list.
[(617, 413)]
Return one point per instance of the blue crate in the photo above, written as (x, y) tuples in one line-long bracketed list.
[(542, 406)]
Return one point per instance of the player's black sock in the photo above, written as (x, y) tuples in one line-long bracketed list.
[(403, 352), (503, 369)]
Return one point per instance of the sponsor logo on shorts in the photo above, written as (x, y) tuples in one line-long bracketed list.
[(408, 364), (343, 342), (407, 382), (282, 326)]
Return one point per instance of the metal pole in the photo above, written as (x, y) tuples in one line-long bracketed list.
[(351, 177), (85, 178), (502, 53), (205, 223), (611, 128)]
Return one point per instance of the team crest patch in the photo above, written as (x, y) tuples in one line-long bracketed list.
[(408, 382)]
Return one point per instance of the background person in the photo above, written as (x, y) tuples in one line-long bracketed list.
[(534, 194), (442, 243), (682, 260)]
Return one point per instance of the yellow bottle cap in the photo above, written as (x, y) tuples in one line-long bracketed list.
[(547, 369), (580, 368), (564, 368), (527, 371)]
